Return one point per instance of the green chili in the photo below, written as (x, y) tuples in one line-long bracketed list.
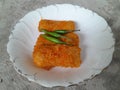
[(54, 34), (52, 39), (64, 31)]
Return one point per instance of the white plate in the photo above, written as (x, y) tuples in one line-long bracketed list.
[(96, 42)]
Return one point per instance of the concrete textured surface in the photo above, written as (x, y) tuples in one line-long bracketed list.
[(10, 13)]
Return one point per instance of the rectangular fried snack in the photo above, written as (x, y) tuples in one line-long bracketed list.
[(47, 54)]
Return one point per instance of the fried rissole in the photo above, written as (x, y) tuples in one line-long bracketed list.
[(47, 54)]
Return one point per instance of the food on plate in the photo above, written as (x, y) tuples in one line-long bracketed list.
[(58, 46)]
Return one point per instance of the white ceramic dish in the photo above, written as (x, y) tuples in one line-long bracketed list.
[(96, 42)]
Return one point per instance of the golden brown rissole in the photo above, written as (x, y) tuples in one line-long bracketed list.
[(47, 54), (52, 25)]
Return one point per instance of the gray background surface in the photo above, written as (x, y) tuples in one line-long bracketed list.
[(10, 13)]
